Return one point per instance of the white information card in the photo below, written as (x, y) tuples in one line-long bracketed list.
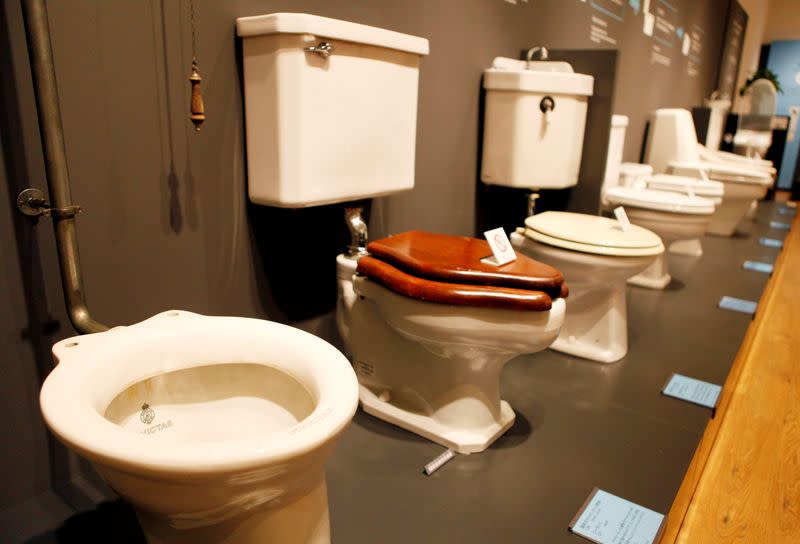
[(770, 242), (501, 247), (758, 266), (738, 305), (608, 519), (692, 390)]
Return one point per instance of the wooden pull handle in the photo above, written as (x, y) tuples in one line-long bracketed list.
[(197, 109)]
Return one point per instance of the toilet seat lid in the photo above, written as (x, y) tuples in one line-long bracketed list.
[(592, 234), (700, 187), (455, 294), (725, 172), (665, 201), (448, 269), (457, 259)]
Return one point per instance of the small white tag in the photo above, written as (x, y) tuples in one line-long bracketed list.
[(501, 247), (622, 217)]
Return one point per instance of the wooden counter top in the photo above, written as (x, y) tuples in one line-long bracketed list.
[(743, 484)]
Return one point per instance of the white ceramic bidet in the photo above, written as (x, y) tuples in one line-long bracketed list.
[(216, 429)]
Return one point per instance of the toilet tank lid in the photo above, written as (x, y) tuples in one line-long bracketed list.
[(325, 27)]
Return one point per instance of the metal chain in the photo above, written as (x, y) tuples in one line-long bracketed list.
[(194, 40)]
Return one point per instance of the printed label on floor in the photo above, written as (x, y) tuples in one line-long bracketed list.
[(691, 390), (770, 242), (738, 305), (779, 225), (757, 266), (608, 519)]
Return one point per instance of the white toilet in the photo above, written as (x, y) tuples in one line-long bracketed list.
[(430, 326), (216, 429), (534, 123), (671, 214), (597, 257), (427, 350), (672, 148)]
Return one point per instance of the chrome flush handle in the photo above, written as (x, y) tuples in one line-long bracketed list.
[(323, 49)]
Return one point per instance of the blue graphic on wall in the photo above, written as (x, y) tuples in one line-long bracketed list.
[(784, 60), (636, 6), (679, 32)]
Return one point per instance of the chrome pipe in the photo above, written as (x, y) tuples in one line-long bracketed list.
[(358, 232), (37, 33)]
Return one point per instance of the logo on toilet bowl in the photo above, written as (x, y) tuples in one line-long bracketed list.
[(147, 414)]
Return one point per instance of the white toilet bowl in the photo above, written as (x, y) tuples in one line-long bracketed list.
[(739, 193), (597, 258), (216, 429), (710, 190), (432, 364), (672, 216), (672, 147)]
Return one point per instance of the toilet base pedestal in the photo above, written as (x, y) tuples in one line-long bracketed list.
[(654, 276), (595, 326), (689, 248), (304, 520), (458, 440)]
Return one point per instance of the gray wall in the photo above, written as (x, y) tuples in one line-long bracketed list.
[(166, 222)]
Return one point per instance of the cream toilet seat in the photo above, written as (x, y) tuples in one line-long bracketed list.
[(592, 234)]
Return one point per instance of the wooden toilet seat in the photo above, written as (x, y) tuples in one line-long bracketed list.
[(448, 270)]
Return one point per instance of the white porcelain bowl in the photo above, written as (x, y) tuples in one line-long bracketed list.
[(216, 429), (596, 325)]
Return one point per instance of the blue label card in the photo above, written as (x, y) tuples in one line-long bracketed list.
[(757, 266), (691, 390), (608, 519), (738, 305), (770, 242), (779, 225)]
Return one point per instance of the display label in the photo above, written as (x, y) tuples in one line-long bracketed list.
[(779, 225), (738, 305), (622, 217), (692, 390), (770, 242), (757, 266), (501, 247), (608, 519)]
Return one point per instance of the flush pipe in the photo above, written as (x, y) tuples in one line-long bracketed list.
[(532, 197), (60, 208), (358, 232)]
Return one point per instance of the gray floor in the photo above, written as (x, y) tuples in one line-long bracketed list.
[(579, 425)]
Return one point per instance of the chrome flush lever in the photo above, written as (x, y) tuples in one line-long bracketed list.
[(323, 49)]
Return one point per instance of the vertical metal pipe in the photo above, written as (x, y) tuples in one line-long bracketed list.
[(37, 32)]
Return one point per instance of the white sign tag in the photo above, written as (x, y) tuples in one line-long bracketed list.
[(501, 247), (622, 217), (607, 519)]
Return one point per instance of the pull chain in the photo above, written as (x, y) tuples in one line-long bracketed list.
[(197, 114)]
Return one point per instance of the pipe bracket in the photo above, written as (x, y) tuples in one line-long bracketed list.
[(33, 203)]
